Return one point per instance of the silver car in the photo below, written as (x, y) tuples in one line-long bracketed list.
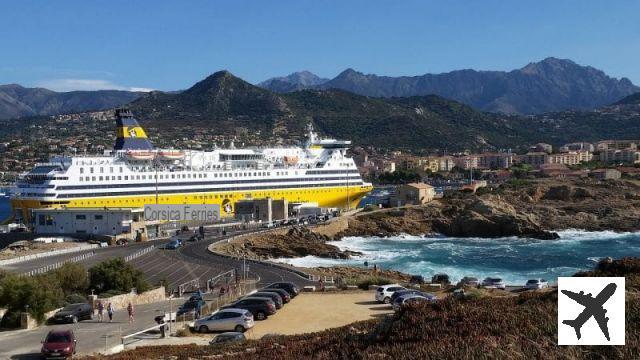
[(230, 319)]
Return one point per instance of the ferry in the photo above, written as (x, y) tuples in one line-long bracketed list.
[(135, 174)]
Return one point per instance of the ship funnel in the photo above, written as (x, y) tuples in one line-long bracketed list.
[(130, 135)]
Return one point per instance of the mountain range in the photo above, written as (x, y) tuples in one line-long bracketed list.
[(224, 102), (17, 101), (549, 85)]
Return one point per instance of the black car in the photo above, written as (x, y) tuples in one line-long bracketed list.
[(260, 307), (442, 279), (73, 313), (291, 288), (399, 293), (228, 337), (283, 293), (277, 299)]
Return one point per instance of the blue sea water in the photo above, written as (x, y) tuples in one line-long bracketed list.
[(513, 259)]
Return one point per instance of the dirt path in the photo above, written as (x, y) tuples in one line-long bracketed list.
[(311, 312)]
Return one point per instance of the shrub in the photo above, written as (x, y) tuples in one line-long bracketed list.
[(72, 278), (372, 280), (116, 274), (39, 293), (74, 299)]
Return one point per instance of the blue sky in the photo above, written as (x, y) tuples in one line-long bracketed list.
[(169, 45)]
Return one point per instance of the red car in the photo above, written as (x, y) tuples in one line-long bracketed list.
[(59, 344)]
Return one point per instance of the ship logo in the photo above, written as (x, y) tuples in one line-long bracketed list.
[(226, 206), (132, 133)]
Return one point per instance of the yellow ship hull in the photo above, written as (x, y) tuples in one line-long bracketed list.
[(342, 197)]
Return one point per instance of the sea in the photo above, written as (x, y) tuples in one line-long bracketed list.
[(513, 259)]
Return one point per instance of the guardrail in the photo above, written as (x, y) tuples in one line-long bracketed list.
[(58, 265), (138, 253), (123, 339), (47, 254)]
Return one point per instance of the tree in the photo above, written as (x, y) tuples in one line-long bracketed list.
[(72, 278), (116, 275)]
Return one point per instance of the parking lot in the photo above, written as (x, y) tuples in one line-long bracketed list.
[(311, 312)]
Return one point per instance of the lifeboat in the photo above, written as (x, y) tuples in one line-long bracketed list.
[(171, 154), (140, 154)]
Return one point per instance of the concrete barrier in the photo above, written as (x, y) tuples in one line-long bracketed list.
[(47, 254), (122, 301)]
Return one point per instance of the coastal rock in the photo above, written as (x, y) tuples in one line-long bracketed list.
[(490, 216)]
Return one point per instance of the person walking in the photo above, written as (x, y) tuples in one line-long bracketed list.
[(130, 310), (100, 311), (110, 311)]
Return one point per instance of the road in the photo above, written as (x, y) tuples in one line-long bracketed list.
[(25, 344)]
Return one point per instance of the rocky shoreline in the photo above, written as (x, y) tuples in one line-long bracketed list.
[(528, 209)]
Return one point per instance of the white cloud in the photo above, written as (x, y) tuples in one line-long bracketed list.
[(85, 84)]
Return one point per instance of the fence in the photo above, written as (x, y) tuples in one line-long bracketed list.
[(325, 279), (47, 254), (58, 265), (138, 253)]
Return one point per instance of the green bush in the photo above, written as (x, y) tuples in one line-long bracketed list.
[(116, 274), (39, 294), (74, 299), (72, 278), (373, 280)]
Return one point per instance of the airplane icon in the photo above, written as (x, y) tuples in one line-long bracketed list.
[(592, 307)]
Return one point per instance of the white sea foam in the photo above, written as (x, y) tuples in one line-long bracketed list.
[(511, 258)]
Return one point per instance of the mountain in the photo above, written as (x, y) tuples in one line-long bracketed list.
[(293, 82), (17, 101), (224, 102), (633, 99), (549, 85)]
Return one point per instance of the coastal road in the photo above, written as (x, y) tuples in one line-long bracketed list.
[(91, 334)]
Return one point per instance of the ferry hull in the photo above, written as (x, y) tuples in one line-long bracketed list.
[(328, 197)]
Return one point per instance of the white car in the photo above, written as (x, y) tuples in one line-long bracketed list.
[(535, 284), (493, 283), (229, 319), (384, 292)]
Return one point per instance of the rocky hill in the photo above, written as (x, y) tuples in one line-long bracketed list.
[(549, 85), (293, 82), (17, 101)]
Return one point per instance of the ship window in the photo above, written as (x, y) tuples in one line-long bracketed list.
[(100, 178), (120, 168), (126, 177), (81, 170), (91, 170), (144, 177), (111, 169), (93, 178), (101, 170), (119, 177)]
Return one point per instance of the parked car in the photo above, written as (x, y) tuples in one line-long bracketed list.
[(536, 284), (289, 287), (384, 292), (73, 313), (442, 279), (238, 320), (283, 293), (227, 337), (260, 307), (59, 344), (173, 244), (190, 306), (409, 298), (416, 280), (277, 299), (493, 283), (469, 281), (399, 293)]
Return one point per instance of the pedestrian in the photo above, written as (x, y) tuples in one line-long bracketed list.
[(100, 311), (321, 283), (198, 309), (110, 311), (130, 310), (375, 268), (366, 264)]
